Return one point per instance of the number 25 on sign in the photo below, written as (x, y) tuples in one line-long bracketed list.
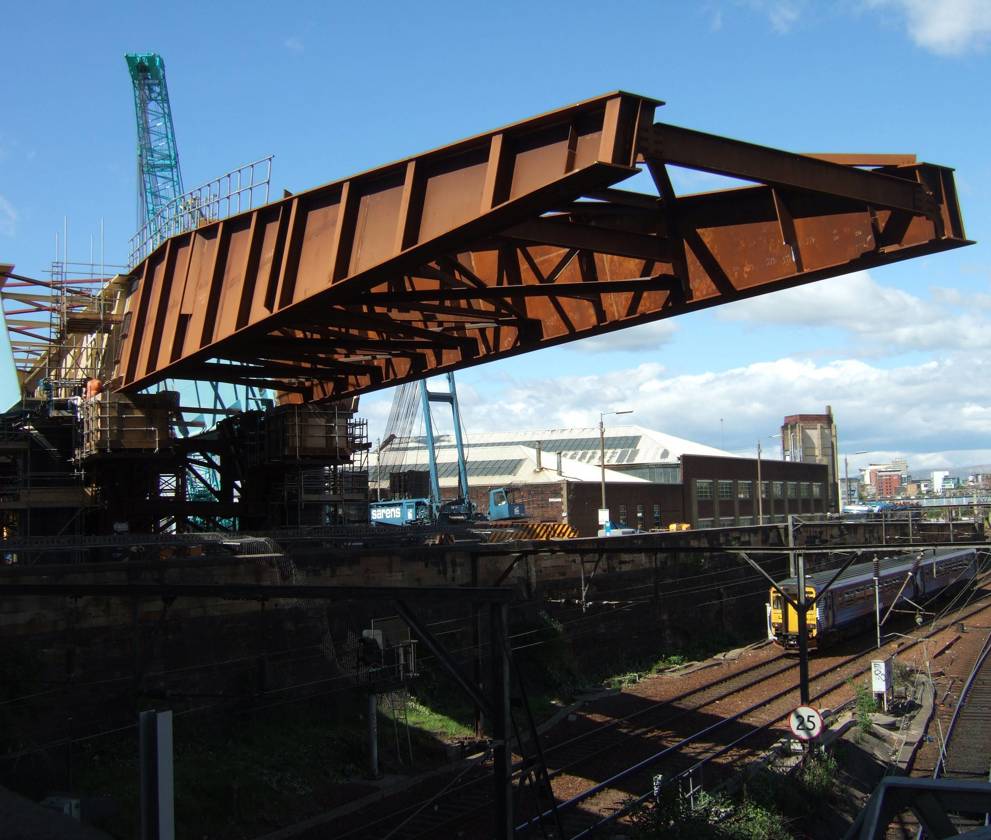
[(806, 723)]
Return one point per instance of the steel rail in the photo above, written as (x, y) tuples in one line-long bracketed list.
[(651, 760), (474, 805), (961, 705)]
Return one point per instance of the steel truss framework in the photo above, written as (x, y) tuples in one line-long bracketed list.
[(511, 241)]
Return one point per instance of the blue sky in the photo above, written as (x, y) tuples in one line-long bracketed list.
[(334, 88)]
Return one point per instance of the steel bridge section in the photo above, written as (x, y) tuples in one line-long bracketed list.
[(508, 242)]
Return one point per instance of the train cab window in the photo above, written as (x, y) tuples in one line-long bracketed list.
[(776, 601)]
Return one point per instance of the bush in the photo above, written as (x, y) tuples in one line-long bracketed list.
[(818, 776), (751, 821), (865, 706)]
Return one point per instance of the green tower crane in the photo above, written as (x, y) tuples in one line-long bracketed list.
[(158, 158)]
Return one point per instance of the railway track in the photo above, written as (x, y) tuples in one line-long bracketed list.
[(578, 814), (467, 796), (472, 794)]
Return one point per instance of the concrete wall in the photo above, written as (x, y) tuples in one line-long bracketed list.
[(88, 664)]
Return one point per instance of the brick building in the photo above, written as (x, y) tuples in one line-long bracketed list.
[(652, 480)]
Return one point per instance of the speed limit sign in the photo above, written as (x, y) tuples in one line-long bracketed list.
[(805, 723)]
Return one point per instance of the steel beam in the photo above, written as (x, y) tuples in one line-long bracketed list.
[(261, 591), (509, 242), (736, 159)]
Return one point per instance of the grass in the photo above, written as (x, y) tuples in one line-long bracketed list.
[(243, 775), (771, 806), (423, 717), (233, 778)]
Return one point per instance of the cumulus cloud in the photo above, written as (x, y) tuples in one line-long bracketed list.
[(928, 408), (881, 318), (944, 27), (8, 217), (643, 339)]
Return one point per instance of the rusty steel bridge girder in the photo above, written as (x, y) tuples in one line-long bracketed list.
[(511, 241)]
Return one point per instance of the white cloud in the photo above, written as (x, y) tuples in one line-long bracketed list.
[(643, 339), (944, 27), (294, 44), (882, 319), (932, 408), (782, 14), (8, 217)]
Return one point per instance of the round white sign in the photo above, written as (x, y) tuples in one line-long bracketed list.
[(805, 723)]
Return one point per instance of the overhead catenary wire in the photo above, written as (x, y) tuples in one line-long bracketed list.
[(346, 679)]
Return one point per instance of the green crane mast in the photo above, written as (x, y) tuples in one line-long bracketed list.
[(160, 181)]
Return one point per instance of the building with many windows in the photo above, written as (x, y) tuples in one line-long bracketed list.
[(653, 480)]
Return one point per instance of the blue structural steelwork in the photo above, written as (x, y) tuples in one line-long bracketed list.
[(407, 511), (450, 397), (158, 157)]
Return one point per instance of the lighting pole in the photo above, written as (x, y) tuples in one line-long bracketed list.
[(760, 494), (760, 484), (846, 478), (602, 447)]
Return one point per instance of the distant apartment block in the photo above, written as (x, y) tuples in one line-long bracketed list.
[(887, 483), (938, 479)]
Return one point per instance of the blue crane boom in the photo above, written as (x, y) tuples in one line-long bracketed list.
[(158, 157)]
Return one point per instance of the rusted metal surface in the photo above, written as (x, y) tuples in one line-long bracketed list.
[(511, 241)]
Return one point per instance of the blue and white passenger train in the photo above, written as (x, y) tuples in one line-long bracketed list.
[(848, 605)]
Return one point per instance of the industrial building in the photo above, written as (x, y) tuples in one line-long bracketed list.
[(652, 480)]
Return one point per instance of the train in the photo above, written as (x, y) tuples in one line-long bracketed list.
[(849, 604)]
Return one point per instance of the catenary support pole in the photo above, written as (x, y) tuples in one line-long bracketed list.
[(877, 598), (803, 634), (502, 769), (373, 735), (791, 545)]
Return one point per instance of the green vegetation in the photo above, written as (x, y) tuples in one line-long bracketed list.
[(632, 677), (865, 706), (421, 716), (244, 774), (771, 806), (223, 790)]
